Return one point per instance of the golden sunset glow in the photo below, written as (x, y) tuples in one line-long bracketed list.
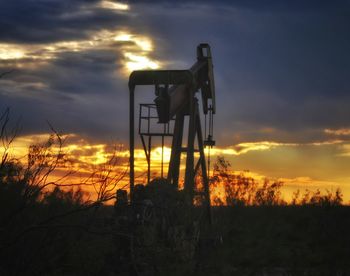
[(137, 58), (84, 156), (135, 48), (123, 37), (144, 43), (157, 154), (136, 62), (342, 131), (345, 148), (98, 156), (9, 51), (136, 51), (243, 148), (114, 5)]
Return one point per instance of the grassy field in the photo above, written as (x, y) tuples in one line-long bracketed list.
[(276, 240), (280, 240)]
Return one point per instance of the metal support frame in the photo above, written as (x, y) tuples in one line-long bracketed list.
[(189, 173), (132, 139), (154, 77), (194, 131), (176, 91), (148, 133)]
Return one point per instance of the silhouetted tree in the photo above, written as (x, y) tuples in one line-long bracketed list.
[(50, 226), (242, 190), (316, 198)]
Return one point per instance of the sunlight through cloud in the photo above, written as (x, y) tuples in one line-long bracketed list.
[(136, 50), (137, 58), (137, 62), (83, 156), (8, 52), (338, 132), (144, 43), (114, 5)]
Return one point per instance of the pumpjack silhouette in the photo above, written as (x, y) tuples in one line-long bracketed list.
[(176, 97)]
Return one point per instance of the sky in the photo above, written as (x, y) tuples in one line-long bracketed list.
[(281, 73)]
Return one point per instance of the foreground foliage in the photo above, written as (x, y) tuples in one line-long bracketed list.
[(52, 228), (48, 225), (242, 190), (281, 240)]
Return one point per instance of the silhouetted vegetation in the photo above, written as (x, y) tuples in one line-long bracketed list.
[(242, 190), (264, 235), (280, 240), (51, 227)]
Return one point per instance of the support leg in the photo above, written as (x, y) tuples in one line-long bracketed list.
[(131, 140), (204, 169), (174, 164), (189, 175)]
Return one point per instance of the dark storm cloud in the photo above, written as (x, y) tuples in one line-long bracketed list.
[(88, 72), (281, 67), (92, 115), (41, 21), (278, 66), (77, 90), (258, 5)]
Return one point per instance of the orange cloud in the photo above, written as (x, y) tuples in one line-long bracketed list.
[(84, 157), (345, 150), (338, 132)]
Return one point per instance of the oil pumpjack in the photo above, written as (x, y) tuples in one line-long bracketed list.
[(176, 97), (160, 218)]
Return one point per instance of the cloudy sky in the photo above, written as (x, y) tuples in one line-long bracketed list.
[(281, 71)]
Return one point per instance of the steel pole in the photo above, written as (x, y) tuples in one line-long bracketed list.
[(132, 141)]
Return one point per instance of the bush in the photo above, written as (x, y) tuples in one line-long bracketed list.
[(49, 228), (241, 190)]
